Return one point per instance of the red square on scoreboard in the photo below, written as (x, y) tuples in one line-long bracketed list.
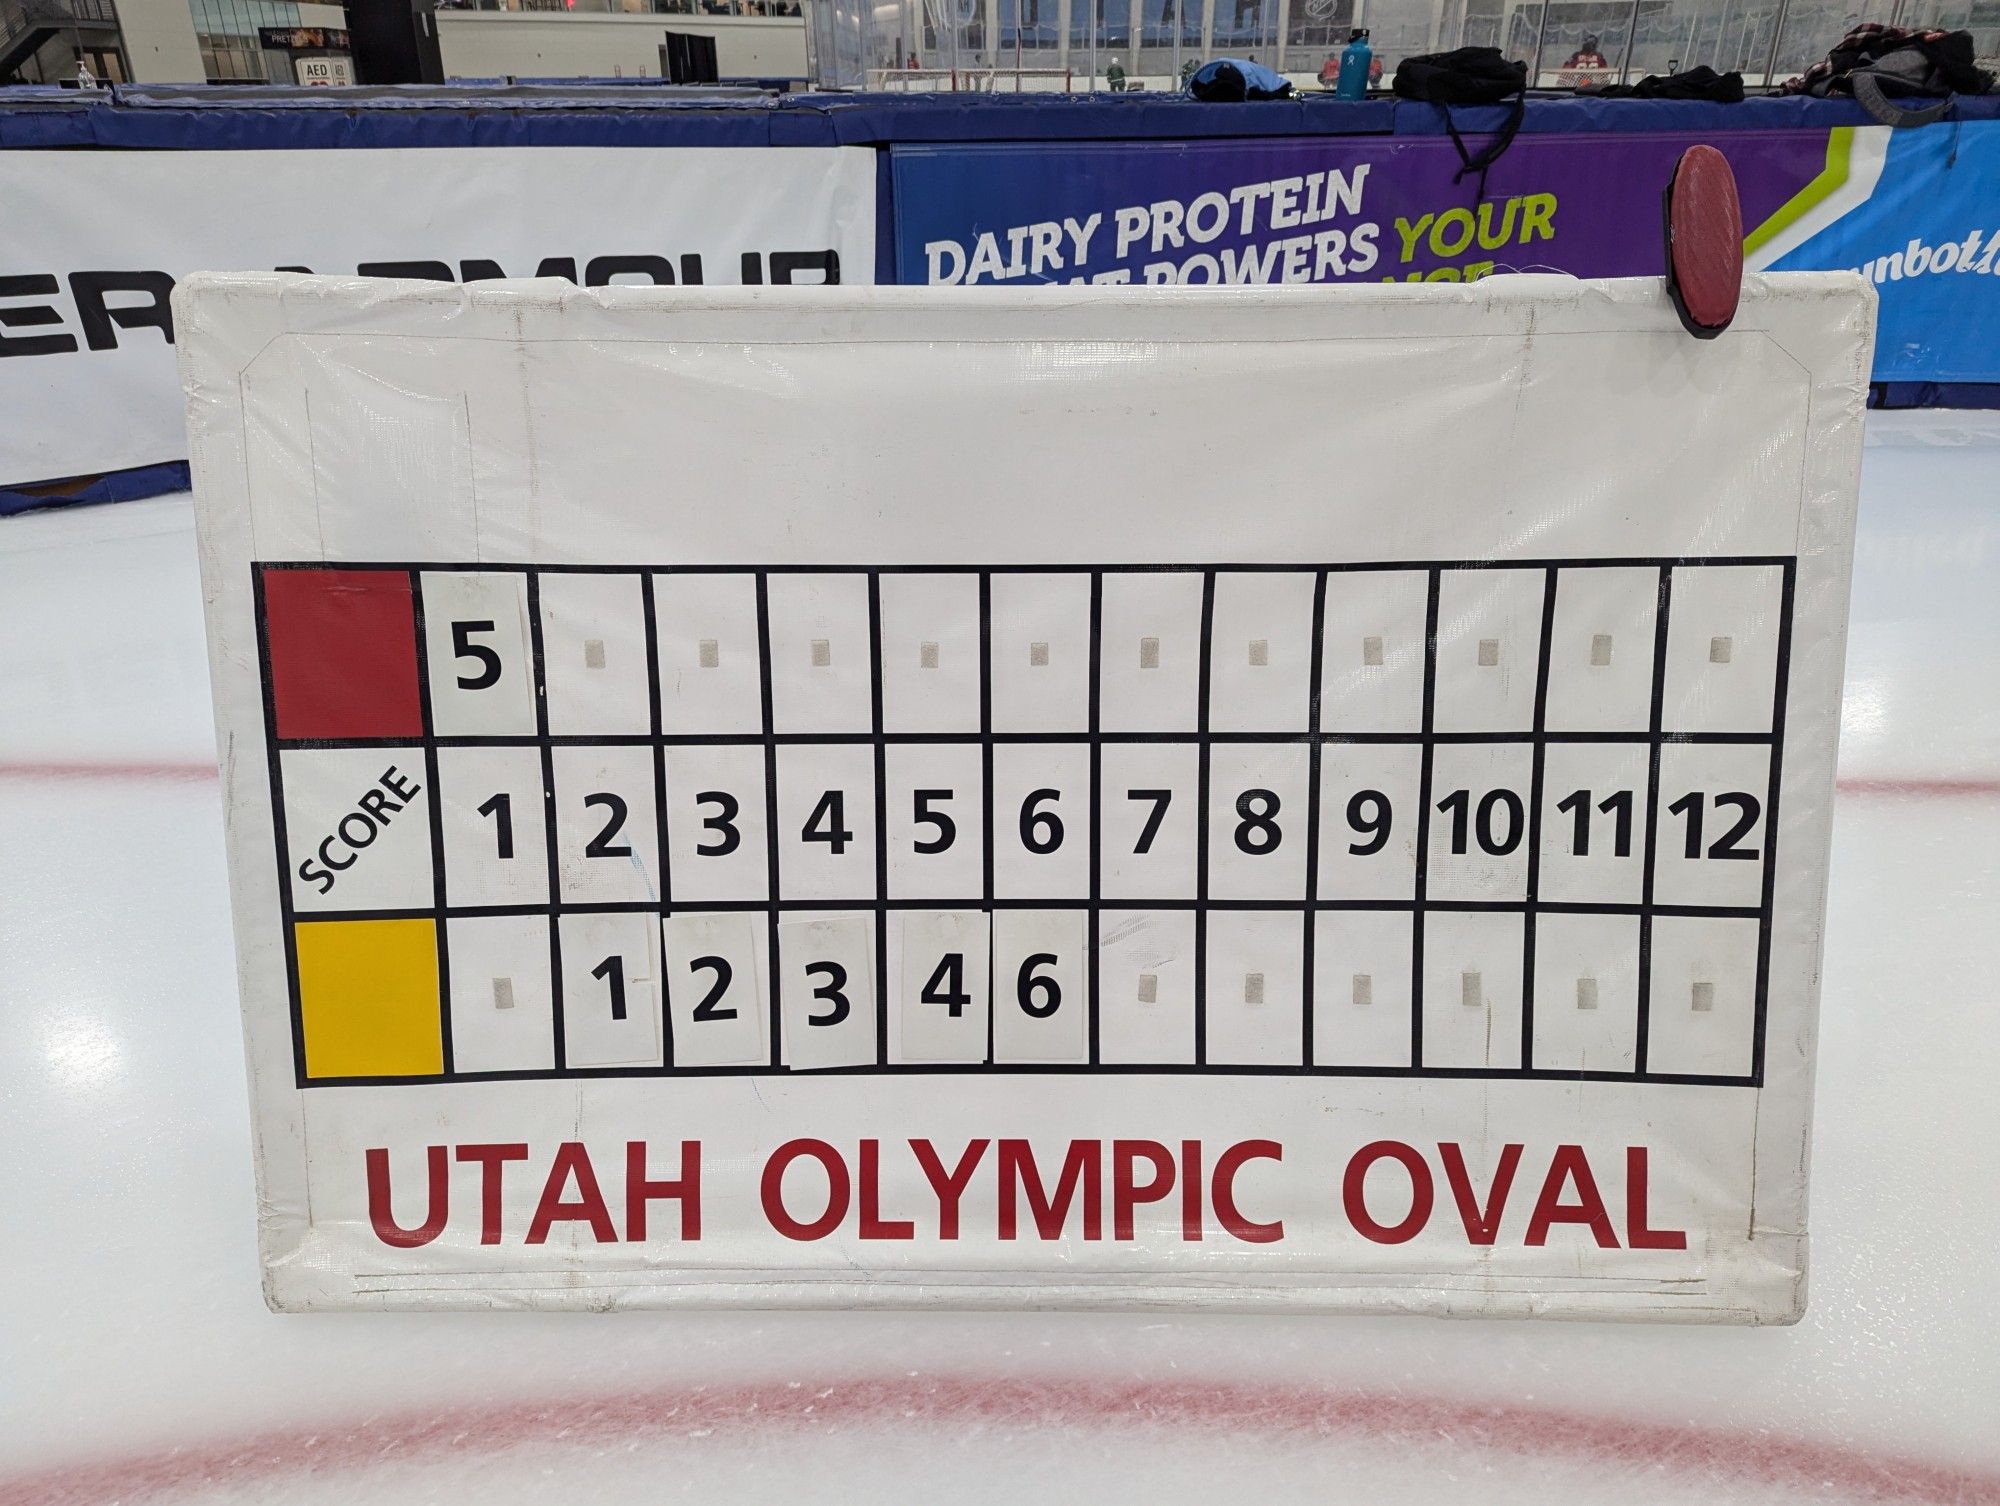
[(342, 647)]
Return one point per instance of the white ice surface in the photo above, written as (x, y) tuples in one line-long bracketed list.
[(137, 1361)]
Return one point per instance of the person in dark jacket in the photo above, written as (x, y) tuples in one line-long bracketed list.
[(1587, 56)]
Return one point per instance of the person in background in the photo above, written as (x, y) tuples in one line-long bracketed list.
[(1114, 75), (1587, 56), (1329, 72), (1189, 68)]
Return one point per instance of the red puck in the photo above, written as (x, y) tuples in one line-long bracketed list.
[(1704, 235)]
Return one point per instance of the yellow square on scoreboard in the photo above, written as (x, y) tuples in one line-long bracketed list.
[(368, 998)]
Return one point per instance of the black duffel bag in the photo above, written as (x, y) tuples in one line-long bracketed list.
[(1468, 76)]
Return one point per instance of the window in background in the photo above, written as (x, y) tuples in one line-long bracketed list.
[(1404, 28), (955, 33), (1029, 25), (1484, 25), (106, 64), (1113, 31), (1666, 38), (1314, 29), (1160, 51), (1812, 27), (226, 32), (1244, 29)]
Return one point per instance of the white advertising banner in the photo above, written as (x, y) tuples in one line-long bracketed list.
[(92, 243), (1066, 797)]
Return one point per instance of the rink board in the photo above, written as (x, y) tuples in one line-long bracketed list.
[(1306, 798)]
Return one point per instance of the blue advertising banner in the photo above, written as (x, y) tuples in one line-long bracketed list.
[(1306, 209), (1918, 213)]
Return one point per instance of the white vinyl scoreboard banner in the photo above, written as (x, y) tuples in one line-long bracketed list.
[(1311, 798)]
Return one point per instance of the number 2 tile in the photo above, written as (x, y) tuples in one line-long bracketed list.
[(718, 988), (607, 837)]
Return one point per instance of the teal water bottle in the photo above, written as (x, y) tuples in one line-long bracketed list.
[(1356, 59)]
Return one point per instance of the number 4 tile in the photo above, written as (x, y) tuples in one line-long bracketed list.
[(938, 971)]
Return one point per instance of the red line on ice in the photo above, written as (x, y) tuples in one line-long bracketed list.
[(1709, 1458), (1936, 789), (107, 769)]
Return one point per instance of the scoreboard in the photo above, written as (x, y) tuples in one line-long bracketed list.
[(1449, 819), (858, 779)]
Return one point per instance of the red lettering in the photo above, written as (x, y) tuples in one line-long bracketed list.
[(1126, 1194), (1018, 1178), (685, 1189), (1353, 1192), (491, 1159), (572, 1162), (1482, 1225), (1570, 1164), (948, 1185), (381, 1212), (873, 1225), (772, 1189), (1191, 1191), (1637, 1235), (1224, 1194)]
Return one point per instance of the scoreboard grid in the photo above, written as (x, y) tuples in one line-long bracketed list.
[(1315, 739)]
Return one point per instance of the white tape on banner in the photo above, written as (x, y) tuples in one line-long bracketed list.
[(1058, 798), (95, 241)]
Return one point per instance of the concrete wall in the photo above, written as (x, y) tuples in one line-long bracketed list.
[(159, 41), (534, 44)]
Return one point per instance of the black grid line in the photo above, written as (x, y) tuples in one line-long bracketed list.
[(986, 798), (865, 739), (1315, 682), (1070, 1069), (775, 1020), (280, 837), (881, 820), (664, 859), (1092, 995), (553, 849), (1535, 821), (1099, 897), (435, 805), (1787, 587), (1143, 567), (1661, 614), (1111, 902), (1204, 679), (1422, 878)]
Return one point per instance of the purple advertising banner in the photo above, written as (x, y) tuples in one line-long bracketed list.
[(1328, 209)]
